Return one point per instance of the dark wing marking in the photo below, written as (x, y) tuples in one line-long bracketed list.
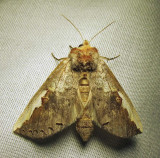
[(113, 109), (53, 107)]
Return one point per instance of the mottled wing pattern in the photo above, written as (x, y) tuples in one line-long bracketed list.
[(54, 107), (113, 110)]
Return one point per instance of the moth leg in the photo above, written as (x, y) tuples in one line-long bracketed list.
[(110, 58), (57, 58)]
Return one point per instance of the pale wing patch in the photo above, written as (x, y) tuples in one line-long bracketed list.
[(29, 110), (131, 110)]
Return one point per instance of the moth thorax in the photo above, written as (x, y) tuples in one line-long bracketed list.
[(84, 127), (84, 89)]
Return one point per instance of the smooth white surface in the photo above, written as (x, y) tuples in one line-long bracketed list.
[(31, 30)]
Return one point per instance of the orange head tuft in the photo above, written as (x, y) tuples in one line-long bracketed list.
[(85, 42)]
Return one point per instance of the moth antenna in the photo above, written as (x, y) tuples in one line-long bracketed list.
[(101, 31), (74, 26)]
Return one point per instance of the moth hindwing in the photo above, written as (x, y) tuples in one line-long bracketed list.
[(81, 89)]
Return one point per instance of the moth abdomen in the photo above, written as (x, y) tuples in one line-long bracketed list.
[(84, 127)]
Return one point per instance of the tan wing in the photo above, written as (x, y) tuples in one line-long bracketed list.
[(54, 107), (113, 109)]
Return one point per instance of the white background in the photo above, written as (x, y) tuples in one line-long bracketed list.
[(31, 30)]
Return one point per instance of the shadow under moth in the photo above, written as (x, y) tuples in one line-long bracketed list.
[(81, 89)]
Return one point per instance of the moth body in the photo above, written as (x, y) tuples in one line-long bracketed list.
[(81, 89), (84, 125), (84, 59)]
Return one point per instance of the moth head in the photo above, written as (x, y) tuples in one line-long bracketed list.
[(84, 57), (84, 44)]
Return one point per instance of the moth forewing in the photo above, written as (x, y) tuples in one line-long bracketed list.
[(126, 103), (114, 110), (36, 100), (51, 109)]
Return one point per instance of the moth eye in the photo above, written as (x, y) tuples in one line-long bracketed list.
[(80, 45), (70, 47)]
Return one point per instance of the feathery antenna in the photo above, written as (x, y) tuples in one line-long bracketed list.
[(74, 26), (101, 31)]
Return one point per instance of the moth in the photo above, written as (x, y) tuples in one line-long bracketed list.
[(81, 89)]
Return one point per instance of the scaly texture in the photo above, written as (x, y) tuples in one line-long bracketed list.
[(82, 88)]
